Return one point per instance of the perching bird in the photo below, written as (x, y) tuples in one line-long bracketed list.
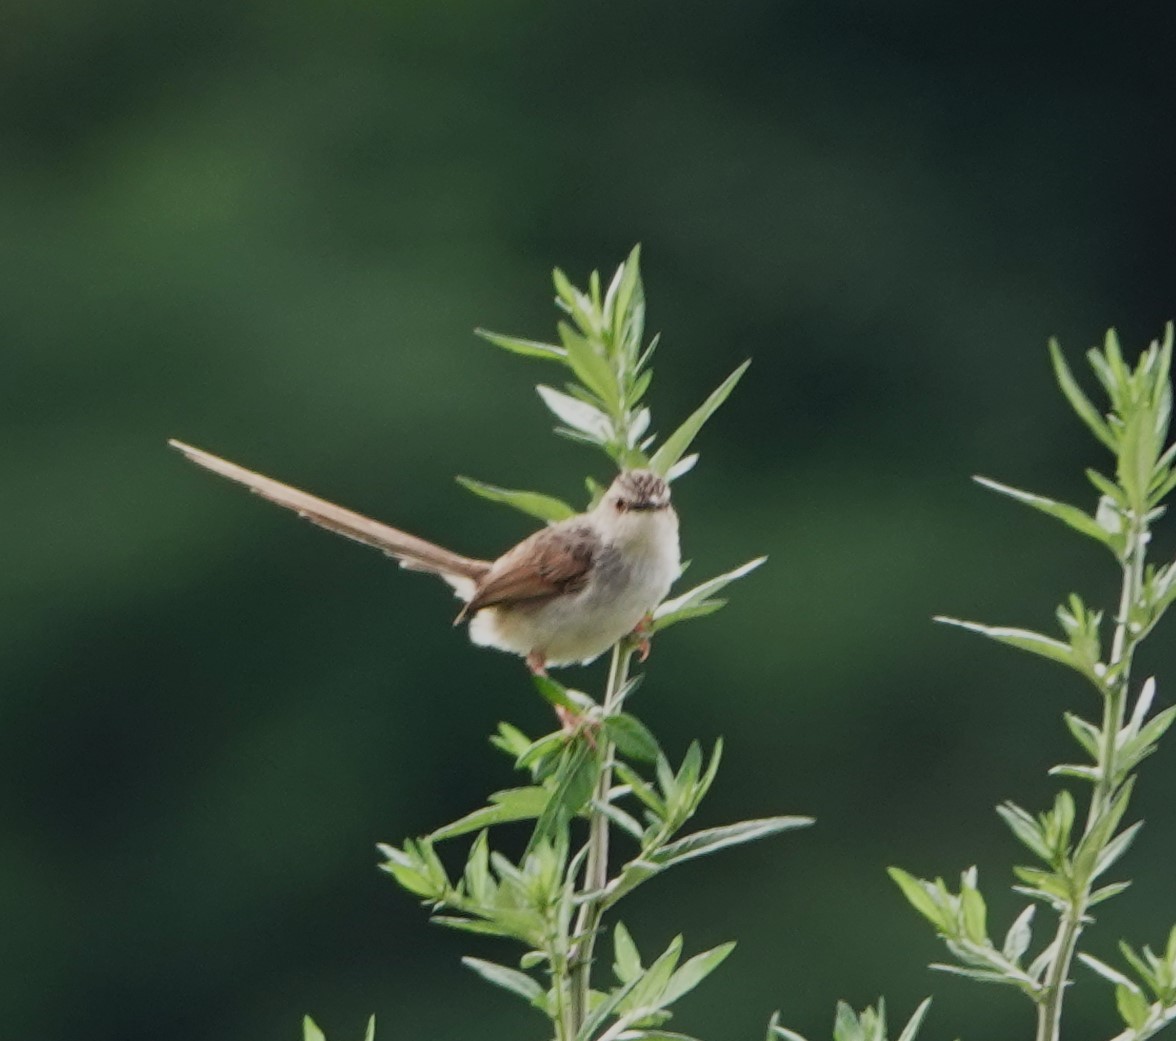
[(565, 594)]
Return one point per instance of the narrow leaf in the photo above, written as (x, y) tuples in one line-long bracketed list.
[(534, 504), (980, 975), (631, 737), (1105, 971), (653, 982), (1115, 849), (1085, 733), (701, 593), (554, 692), (1070, 515), (590, 367), (1025, 827), (694, 971), (1079, 402), (1023, 639), (686, 614), (676, 444), (916, 1021), (311, 1031), (529, 348), (579, 415), (919, 897), (572, 789), (682, 466), (1020, 934), (514, 804), (508, 979), (1106, 892), (1132, 1006), (779, 1033), (712, 839), (626, 960)]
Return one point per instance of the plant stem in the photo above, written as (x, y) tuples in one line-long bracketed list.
[(1049, 1012), (583, 940)]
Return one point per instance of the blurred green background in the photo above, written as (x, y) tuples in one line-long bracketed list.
[(269, 228)]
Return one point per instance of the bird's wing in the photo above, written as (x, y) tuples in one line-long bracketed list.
[(461, 572), (554, 560)]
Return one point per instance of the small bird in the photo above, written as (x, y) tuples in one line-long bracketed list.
[(563, 595)]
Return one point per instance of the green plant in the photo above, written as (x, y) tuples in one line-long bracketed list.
[(1073, 853), (606, 778)]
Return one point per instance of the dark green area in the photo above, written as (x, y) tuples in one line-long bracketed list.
[(269, 229)]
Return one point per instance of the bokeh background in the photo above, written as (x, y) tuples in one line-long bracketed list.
[(269, 228)]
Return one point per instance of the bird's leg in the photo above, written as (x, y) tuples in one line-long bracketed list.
[(570, 722), (640, 636)]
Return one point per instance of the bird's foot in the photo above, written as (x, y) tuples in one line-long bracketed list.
[(641, 637), (537, 663)]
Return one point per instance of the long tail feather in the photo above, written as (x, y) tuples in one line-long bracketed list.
[(415, 553)]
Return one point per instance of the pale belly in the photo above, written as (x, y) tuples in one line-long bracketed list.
[(580, 626)]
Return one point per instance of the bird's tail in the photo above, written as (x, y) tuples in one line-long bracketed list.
[(413, 553)]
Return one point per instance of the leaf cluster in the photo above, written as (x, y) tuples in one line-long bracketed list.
[(1073, 856), (848, 1025), (602, 403), (535, 900)]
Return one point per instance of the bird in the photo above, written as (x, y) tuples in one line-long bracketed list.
[(563, 595)]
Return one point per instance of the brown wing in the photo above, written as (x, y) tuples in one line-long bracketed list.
[(552, 561), (411, 551)]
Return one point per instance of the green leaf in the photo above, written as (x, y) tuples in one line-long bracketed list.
[(1115, 849), (1132, 1006), (370, 1033), (710, 840), (686, 614), (1079, 402), (631, 736), (310, 1030), (975, 915), (918, 894), (574, 780), (1023, 639), (1105, 971), (1026, 828), (916, 1021), (1019, 936), (1106, 892), (534, 504), (579, 415), (653, 982), (513, 804), (779, 1033), (694, 971), (685, 606), (476, 925), (676, 444), (554, 692), (508, 979), (980, 975), (590, 368), (602, 1011), (1107, 487), (626, 959), (1069, 515), (1085, 733), (529, 348)]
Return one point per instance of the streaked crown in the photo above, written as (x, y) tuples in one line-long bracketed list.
[(639, 490)]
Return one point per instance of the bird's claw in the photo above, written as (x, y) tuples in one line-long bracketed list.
[(641, 635)]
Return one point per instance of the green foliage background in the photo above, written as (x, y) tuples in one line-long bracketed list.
[(268, 228)]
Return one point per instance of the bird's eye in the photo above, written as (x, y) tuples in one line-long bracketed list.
[(620, 505)]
